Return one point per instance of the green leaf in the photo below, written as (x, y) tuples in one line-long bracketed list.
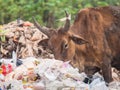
[(88, 5), (102, 3), (3, 38)]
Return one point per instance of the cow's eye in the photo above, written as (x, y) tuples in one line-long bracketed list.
[(65, 46)]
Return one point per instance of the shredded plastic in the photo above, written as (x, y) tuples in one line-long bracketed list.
[(51, 74)]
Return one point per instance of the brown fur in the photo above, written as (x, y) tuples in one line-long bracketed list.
[(99, 28)]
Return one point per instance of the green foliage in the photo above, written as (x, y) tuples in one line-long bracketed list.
[(2, 35), (25, 9)]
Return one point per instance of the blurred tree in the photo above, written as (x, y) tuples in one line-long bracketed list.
[(47, 12)]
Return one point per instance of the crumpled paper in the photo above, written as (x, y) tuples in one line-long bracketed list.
[(12, 85), (57, 75), (114, 86)]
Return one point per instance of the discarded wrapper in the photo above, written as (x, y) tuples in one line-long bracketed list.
[(51, 74)]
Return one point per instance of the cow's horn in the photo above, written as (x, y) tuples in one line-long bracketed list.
[(44, 30), (67, 24)]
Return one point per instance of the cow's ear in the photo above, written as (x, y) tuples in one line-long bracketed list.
[(78, 40), (44, 43)]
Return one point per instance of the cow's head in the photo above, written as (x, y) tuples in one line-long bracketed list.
[(61, 41)]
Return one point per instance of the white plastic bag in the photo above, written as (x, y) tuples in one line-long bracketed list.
[(98, 84)]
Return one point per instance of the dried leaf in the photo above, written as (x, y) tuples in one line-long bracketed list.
[(3, 51)]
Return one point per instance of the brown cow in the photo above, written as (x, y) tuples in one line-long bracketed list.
[(91, 43)]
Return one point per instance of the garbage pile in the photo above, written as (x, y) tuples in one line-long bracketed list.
[(23, 38), (50, 74)]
